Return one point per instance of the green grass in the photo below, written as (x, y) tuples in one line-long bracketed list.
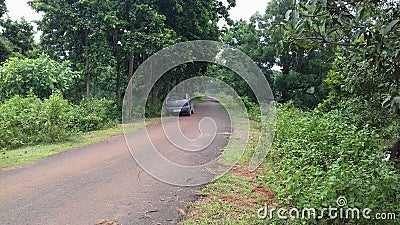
[(198, 98), (235, 197), (28, 154), (232, 199)]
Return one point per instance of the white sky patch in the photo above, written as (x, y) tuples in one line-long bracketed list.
[(18, 9), (244, 9)]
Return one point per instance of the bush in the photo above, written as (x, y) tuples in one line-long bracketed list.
[(54, 113), (252, 109), (31, 120), (93, 115), (319, 157), (154, 111), (42, 76)]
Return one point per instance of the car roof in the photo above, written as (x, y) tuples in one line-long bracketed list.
[(178, 95)]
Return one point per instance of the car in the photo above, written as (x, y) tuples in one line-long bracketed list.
[(178, 103)]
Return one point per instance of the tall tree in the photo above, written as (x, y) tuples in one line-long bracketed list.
[(367, 39), (19, 34), (82, 38), (3, 7), (5, 49), (109, 39), (303, 70)]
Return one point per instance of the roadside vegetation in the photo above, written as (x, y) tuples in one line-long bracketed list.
[(337, 91), (316, 158), (27, 154)]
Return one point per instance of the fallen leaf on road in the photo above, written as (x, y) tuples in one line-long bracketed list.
[(109, 222), (181, 211)]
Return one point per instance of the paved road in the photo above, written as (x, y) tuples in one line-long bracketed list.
[(103, 182)]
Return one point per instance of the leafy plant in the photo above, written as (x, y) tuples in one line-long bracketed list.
[(30, 120), (54, 113), (393, 103), (41, 76), (320, 157), (92, 115)]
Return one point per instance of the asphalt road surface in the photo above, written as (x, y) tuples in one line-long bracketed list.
[(102, 182)]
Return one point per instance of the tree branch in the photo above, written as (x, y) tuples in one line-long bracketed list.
[(323, 40)]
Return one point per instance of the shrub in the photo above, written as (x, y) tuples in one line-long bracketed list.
[(31, 120), (42, 76), (252, 109), (54, 114), (93, 115), (319, 157), (19, 121), (154, 111)]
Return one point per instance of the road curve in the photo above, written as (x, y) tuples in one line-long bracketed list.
[(102, 181)]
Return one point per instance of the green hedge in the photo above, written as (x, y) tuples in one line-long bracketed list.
[(30, 120), (42, 76), (93, 115), (319, 157)]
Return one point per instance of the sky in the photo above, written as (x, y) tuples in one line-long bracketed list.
[(244, 9), (20, 8)]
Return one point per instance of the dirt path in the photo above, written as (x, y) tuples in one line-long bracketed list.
[(103, 182)]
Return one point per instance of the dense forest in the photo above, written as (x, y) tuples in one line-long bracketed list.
[(337, 90)]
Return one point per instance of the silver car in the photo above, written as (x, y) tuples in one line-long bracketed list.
[(177, 103)]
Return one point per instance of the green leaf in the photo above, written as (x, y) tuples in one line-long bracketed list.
[(389, 27), (386, 101), (287, 15)]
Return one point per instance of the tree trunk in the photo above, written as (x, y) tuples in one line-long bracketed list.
[(131, 56), (129, 94), (87, 59), (117, 57), (285, 73), (154, 99)]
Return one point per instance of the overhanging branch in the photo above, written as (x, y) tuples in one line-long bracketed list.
[(325, 41)]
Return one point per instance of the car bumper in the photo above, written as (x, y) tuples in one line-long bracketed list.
[(171, 110)]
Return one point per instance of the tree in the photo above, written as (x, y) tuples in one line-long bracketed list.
[(367, 40), (5, 49), (81, 38), (303, 70), (108, 40), (19, 34), (3, 8)]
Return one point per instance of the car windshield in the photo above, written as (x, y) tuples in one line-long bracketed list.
[(174, 97)]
